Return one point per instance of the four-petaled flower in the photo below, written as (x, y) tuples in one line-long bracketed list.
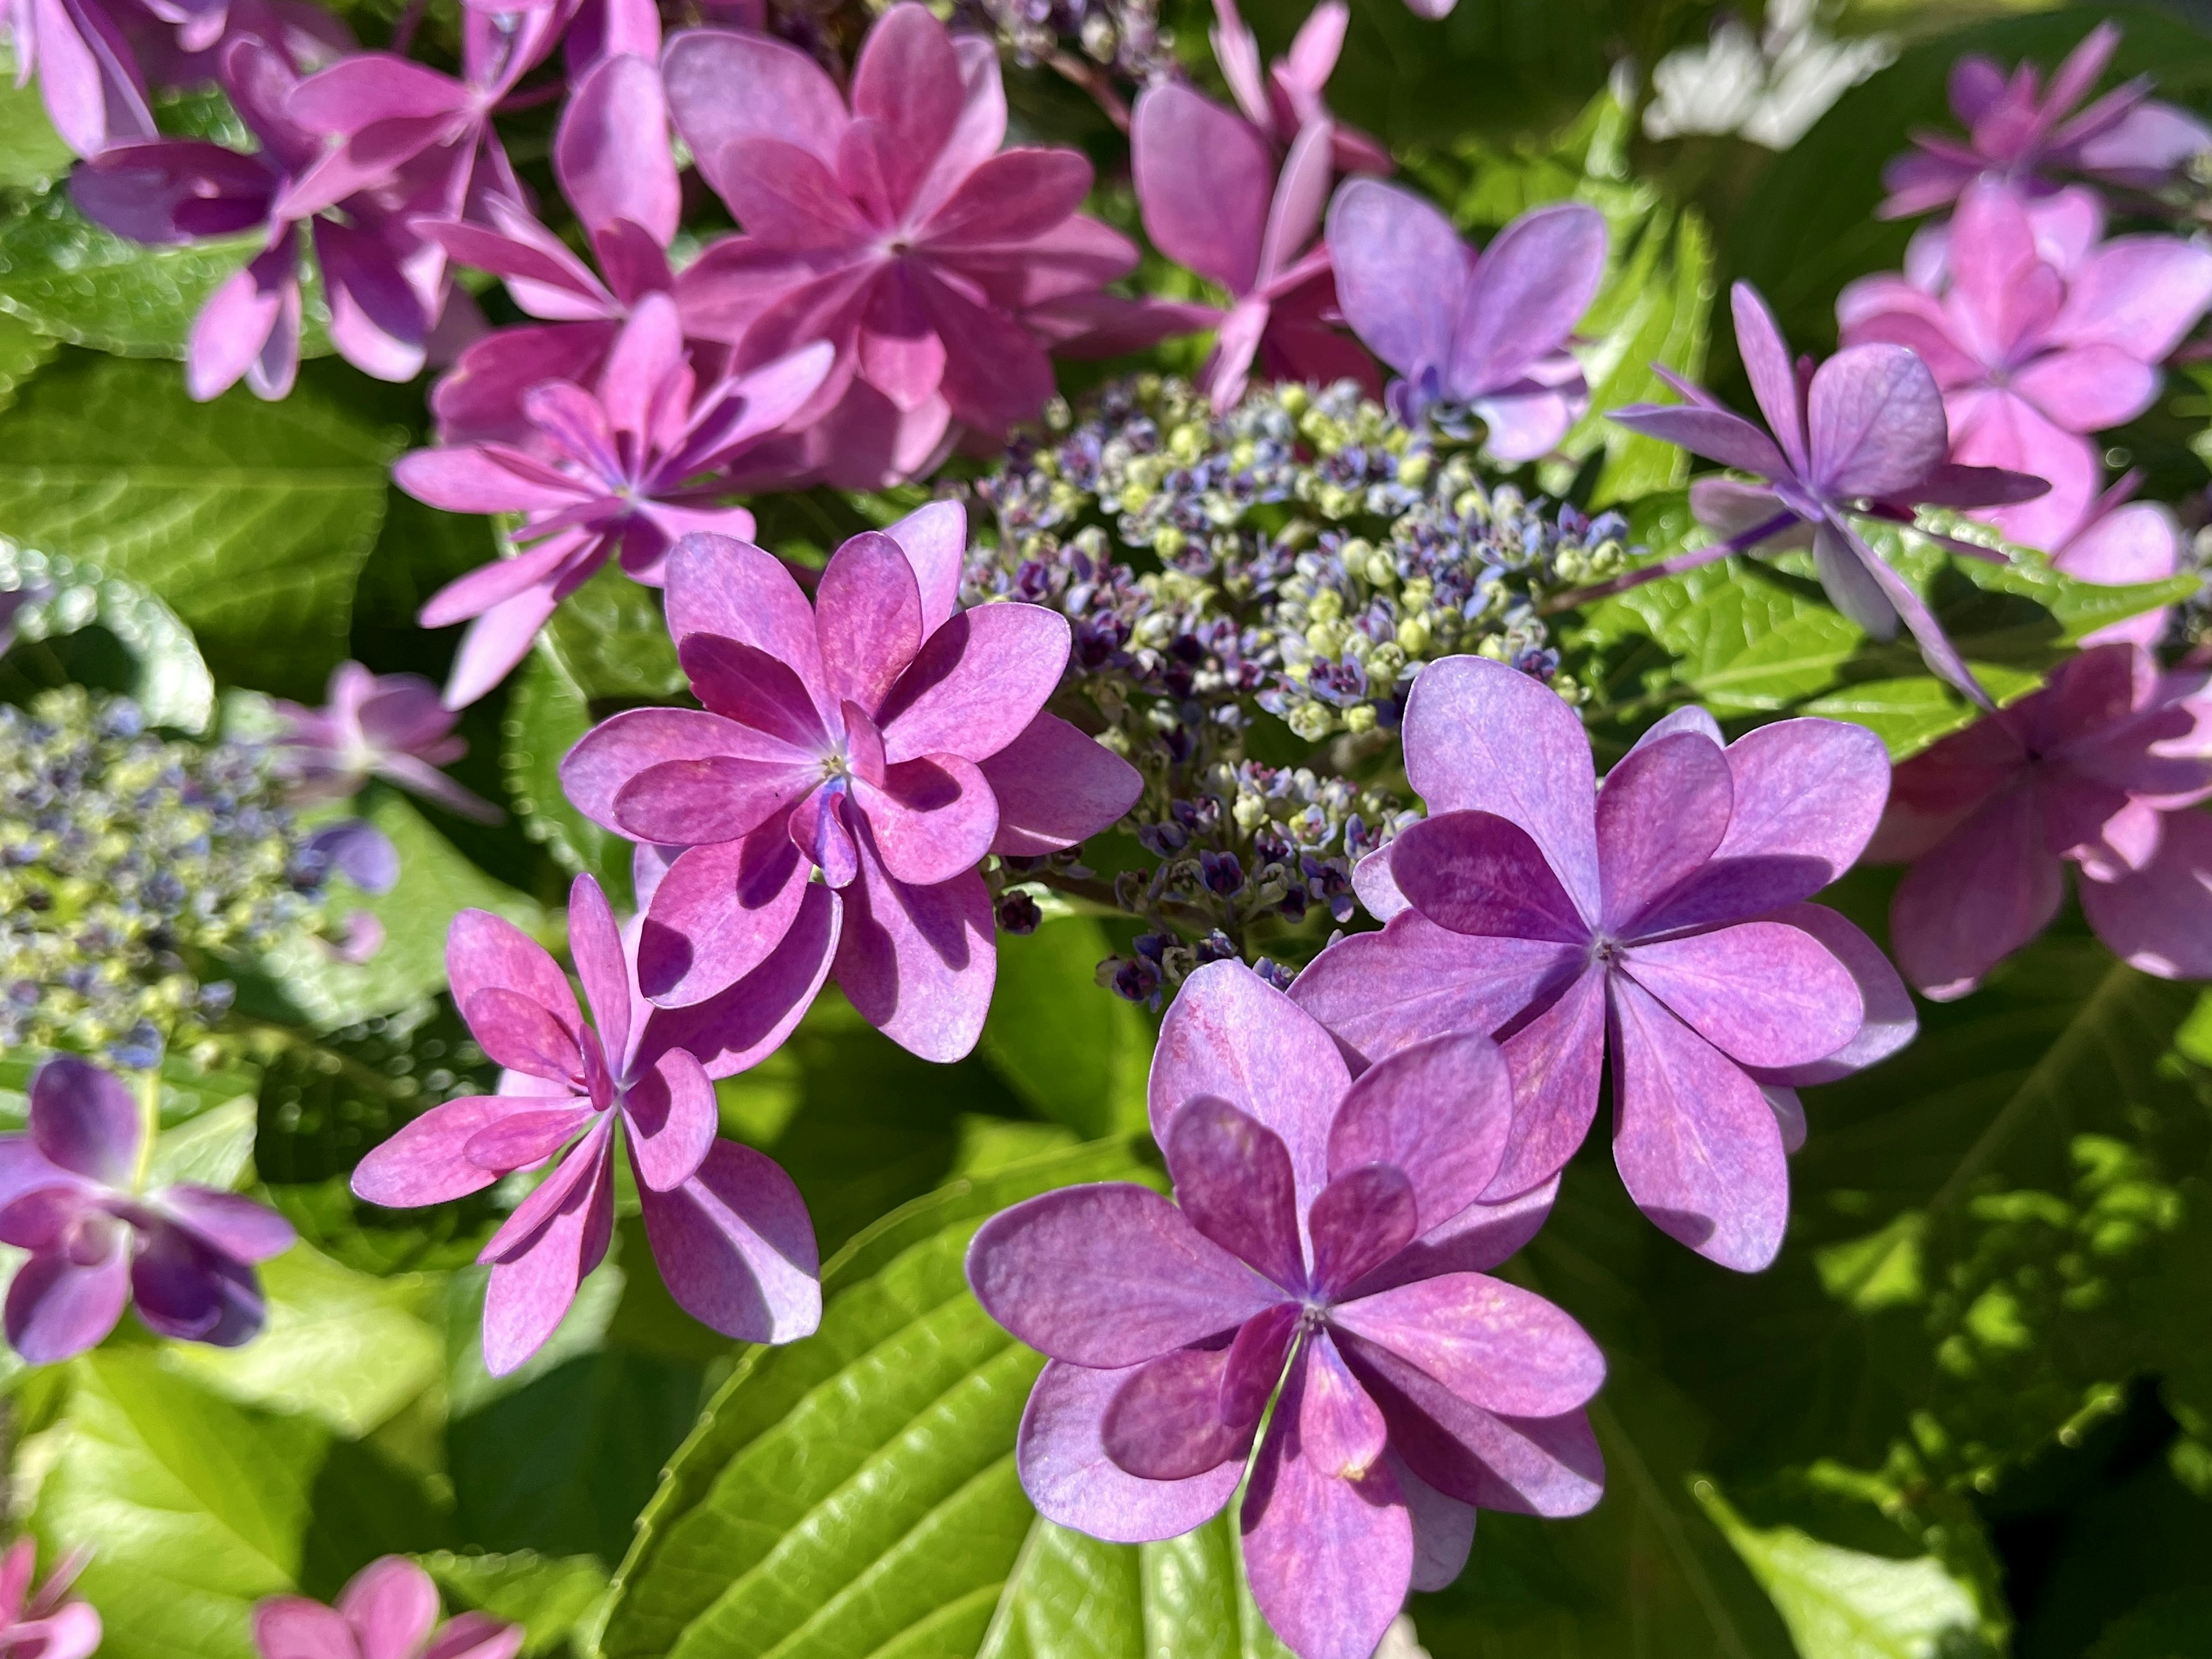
[(44, 1624), (1473, 334), (383, 726), (1862, 434), (727, 1227), (2031, 356), (1661, 919), (1326, 1236), (74, 1192), (388, 1610), (855, 761), (2031, 135), (2094, 770), (614, 471)]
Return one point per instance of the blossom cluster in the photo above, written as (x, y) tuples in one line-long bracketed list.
[(135, 866)]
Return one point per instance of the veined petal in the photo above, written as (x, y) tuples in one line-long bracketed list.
[(1663, 812), (736, 1248), (1763, 992), (617, 750), (919, 963), (488, 953), (1068, 1476), (1480, 874), (1056, 787), (1439, 1110), (735, 591), (427, 1162), (1234, 1182), (976, 684), (1494, 1344), (719, 914)]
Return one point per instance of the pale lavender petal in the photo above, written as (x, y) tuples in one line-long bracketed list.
[(230, 1222), (977, 683), (2159, 918), (58, 1306), (1480, 874), (919, 963), (1765, 356), (1110, 1275), (1805, 788), (1761, 992), (669, 1117), (736, 1247), (1482, 736), (1232, 1035), (1328, 1545), (83, 1118), (1531, 286), (1696, 1144), (1663, 812), (392, 1606), (1877, 422), (719, 914), (1494, 1344), (1556, 1060), (1400, 270), (1074, 1483), (1891, 1021), (1439, 1110), (1056, 786), (1984, 891), (1233, 1180), (1714, 433)]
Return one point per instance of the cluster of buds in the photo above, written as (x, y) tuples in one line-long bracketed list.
[(133, 867), (1265, 583), (1123, 36)]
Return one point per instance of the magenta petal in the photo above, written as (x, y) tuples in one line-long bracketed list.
[(1986, 890), (1761, 992), (1524, 1466), (612, 153), (1556, 1060), (712, 799), (539, 1264), (1697, 1145), (1494, 1344), (1663, 812), (57, 1306), (670, 1118), (977, 683), (83, 1118), (487, 953), (522, 1139), (918, 962), (595, 943), (737, 1029), (1376, 992), (1439, 1110), (1074, 1483), (616, 751), (1891, 1021), (735, 591), (427, 1162), (1233, 1036), (1255, 1362), (718, 913), (1481, 737), (2159, 918), (392, 1606), (934, 818), (736, 1247), (1164, 1422), (934, 539), (292, 1627), (1480, 874), (521, 1035), (1361, 1220), (1328, 1545), (1056, 787), (1204, 178), (1233, 1180), (868, 610)]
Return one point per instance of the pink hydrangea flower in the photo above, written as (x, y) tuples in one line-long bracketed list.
[(728, 1228), (388, 1610), (2121, 542), (2032, 356), (1290, 96), (855, 761), (46, 1624), (384, 725), (386, 286), (93, 90), (1863, 434), (72, 1193), (1327, 1233), (1483, 335), (892, 225), (615, 168), (2033, 137), (1208, 183), (2094, 770), (1662, 919), (617, 471)]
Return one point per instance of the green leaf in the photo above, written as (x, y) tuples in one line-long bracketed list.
[(172, 686), (555, 1599), (546, 715), (79, 283), (23, 352), (340, 1347), (435, 884), (855, 1493), (611, 640), (249, 521), (1076, 1053), (1846, 1604), (2176, 1625), (211, 1149), (32, 154)]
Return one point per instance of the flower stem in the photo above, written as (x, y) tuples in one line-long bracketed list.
[(149, 1125)]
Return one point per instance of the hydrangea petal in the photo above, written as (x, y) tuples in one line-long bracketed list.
[(1234, 1181), (736, 1247), (1494, 1344), (1074, 1483), (1440, 1110), (1762, 991)]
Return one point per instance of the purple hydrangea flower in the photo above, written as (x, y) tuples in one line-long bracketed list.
[(2032, 356), (2032, 136), (2094, 770), (1327, 1234), (388, 1610), (1483, 335), (1290, 95), (892, 226), (46, 1624), (1661, 919), (1862, 434), (615, 470), (92, 89), (615, 168), (855, 761), (386, 726), (1208, 182), (73, 1194), (728, 1228)]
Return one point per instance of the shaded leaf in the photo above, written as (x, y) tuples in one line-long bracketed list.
[(1074, 1051)]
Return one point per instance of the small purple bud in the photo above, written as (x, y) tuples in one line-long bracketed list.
[(1221, 873), (1018, 913)]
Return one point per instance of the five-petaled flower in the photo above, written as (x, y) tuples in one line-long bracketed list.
[(383, 726), (727, 1226), (1326, 1237), (2094, 770), (855, 761), (388, 1610), (1662, 919), (1473, 334), (1863, 434), (74, 1192)]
